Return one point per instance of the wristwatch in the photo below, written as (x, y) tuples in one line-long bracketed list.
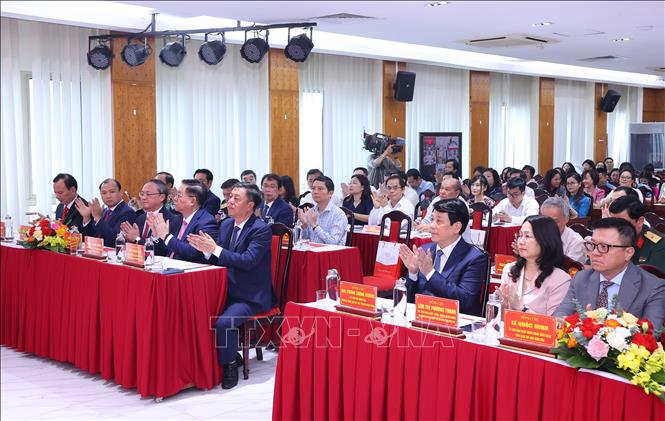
[(525, 309), (137, 239)]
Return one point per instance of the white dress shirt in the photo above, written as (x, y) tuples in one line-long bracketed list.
[(573, 245), (528, 207), (404, 206)]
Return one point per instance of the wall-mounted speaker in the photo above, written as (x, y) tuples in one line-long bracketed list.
[(609, 101), (404, 84)]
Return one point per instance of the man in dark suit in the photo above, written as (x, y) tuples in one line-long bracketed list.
[(274, 207), (172, 235), (611, 249), (227, 187), (244, 247), (153, 196), (448, 267), (65, 189), (167, 178), (105, 222), (212, 202)]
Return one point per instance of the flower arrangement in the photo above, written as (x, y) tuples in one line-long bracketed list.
[(47, 235), (614, 341)]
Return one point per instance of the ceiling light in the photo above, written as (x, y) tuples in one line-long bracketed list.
[(212, 52), (436, 3), (173, 53), (539, 24), (254, 49), (135, 54), (100, 57), (621, 39), (299, 47)]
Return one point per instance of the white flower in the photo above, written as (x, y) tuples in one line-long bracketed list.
[(601, 313), (617, 338)]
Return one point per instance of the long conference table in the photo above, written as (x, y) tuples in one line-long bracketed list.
[(334, 366), (142, 330)]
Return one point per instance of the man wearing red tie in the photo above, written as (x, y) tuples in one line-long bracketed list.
[(193, 218), (65, 189), (153, 196), (105, 222)]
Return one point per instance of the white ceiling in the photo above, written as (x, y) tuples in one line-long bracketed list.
[(446, 27)]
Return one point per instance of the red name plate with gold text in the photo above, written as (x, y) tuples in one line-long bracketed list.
[(530, 328), (134, 254), (94, 246), (371, 229), (357, 296), (441, 311), (501, 261), (2, 230)]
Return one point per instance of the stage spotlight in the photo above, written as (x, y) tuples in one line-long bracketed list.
[(135, 54), (298, 47), (173, 53), (212, 52), (254, 49), (100, 57)]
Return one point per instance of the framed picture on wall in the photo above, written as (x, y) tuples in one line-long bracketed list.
[(436, 149)]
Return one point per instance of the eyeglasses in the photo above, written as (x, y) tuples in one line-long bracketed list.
[(515, 195), (179, 195), (393, 188), (624, 177), (144, 194), (601, 247), (524, 236)]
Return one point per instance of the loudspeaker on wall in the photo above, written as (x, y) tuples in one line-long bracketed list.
[(609, 101), (404, 84)]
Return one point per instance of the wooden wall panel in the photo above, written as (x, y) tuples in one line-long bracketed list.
[(546, 125), (600, 125), (653, 105), (394, 112), (479, 109), (134, 120), (284, 115)]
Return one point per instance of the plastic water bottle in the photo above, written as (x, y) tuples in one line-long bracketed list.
[(297, 234), (74, 241), (120, 247), (493, 315), (332, 286), (399, 298), (9, 228), (149, 253)]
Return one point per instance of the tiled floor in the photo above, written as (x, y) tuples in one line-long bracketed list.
[(37, 388)]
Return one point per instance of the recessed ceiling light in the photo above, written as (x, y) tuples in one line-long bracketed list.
[(621, 39), (436, 3), (536, 25)]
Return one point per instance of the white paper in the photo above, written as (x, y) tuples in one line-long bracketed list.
[(387, 253), (475, 237)]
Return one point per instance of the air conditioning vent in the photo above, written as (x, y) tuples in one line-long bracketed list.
[(343, 16), (514, 40), (601, 58)]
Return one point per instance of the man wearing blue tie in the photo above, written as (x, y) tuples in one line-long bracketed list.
[(448, 267), (274, 207), (244, 248)]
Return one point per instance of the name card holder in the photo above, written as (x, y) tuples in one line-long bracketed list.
[(358, 300), (134, 255), (533, 333), (94, 248), (437, 314), (500, 262)]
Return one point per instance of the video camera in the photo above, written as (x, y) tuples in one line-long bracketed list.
[(379, 142)]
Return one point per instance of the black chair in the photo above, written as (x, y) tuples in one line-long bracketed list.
[(654, 271), (539, 192), (396, 218), (485, 210), (303, 195), (660, 227), (351, 219), (281, 237), (653, 219), (538, 178), (582, 230), (541, 199), (533, 185), (418, 210), (572, 266)]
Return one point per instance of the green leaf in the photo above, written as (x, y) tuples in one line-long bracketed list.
[(579, 361), (659, 377), (619, 372)]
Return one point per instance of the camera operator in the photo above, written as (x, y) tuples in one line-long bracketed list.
[(382, 163)]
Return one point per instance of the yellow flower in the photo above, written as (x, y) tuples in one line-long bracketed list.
[(629, 319), (60, 232)]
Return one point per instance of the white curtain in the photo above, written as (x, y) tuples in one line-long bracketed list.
[(352, 103), (440, 104), (573, 122), (213, 117), (513, 120), (628, 110), (71, 125)]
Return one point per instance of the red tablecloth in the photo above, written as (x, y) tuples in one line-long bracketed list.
[(501, 240), (309, 269), (369, 243), (139, 329), (340, 371)]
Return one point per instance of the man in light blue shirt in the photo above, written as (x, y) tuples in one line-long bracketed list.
[(418, 184), (324, 223)]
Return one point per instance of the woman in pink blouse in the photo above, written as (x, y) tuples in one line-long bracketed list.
[(590, 182), (535, 283)]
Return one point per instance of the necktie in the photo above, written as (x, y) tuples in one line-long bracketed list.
[(183, 227), (146, 230), (437, 260), (234, 237), (602, 297), (107, 214), (65, 211), (267, 208)]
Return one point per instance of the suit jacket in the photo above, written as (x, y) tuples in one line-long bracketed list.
[(74, 218), (248, 263), (462, 278), (201, 221), (108, 229), (280, 211), (212, 203), (140, 221), (641, 294)]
